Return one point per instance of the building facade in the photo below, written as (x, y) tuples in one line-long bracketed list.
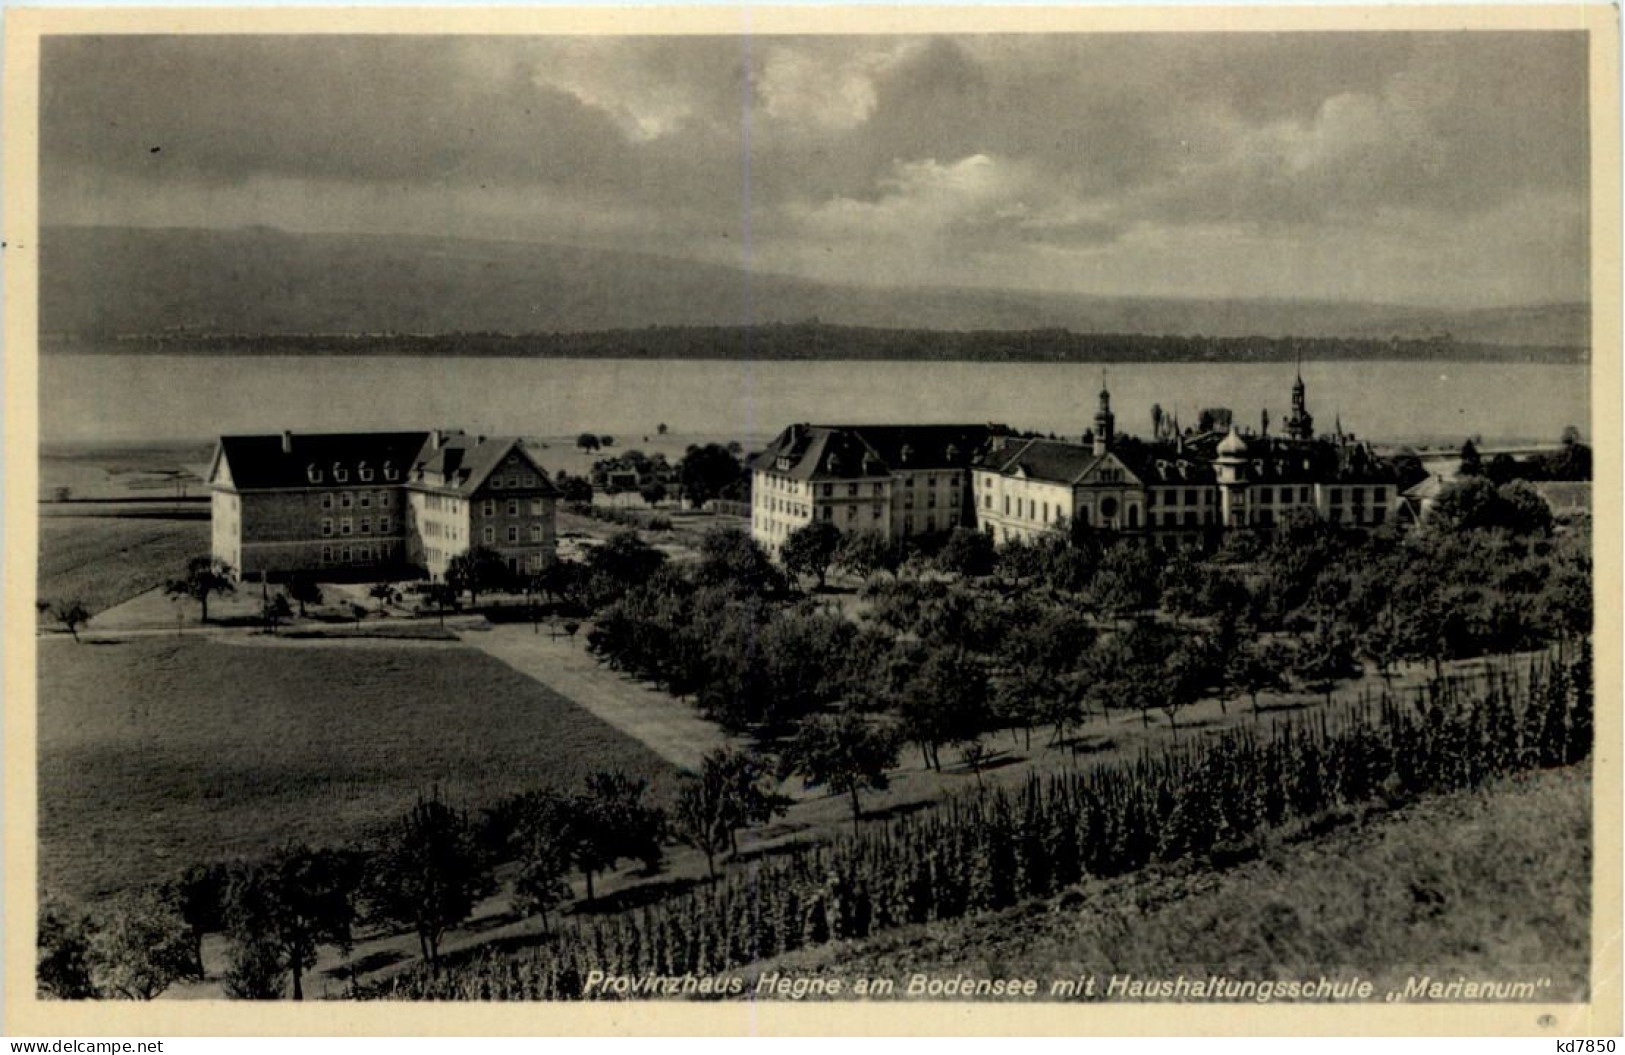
[(1182, 488), (892, 480), (376, 505)]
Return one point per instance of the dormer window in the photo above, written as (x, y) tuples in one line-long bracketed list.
[(365, 472), (389, 471), (340, 473), (313, 474)]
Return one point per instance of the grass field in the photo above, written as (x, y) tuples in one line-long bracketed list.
[(157, 753), (104, 560), (1492, 885)]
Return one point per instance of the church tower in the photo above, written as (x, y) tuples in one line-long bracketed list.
[(1299, 424), (1105, 421)]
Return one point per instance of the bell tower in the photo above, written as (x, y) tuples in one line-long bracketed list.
[(1105, 420), (1299, 424)]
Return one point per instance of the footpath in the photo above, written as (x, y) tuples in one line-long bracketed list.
[(667, 726)]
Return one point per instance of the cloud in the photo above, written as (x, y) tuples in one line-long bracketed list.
[(1256, 164)]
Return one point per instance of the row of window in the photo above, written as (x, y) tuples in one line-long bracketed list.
[(515, 480), (784, 505), (361, 554), (780, 483), (489, 507), (1032, 510), (346, 526), (489, 533), (346, 499), (341, 474), (1191, 496), (876, 511)]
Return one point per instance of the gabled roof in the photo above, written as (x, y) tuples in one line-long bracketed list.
[(1038, 459), (460, 463), (836, 452), (296, 459)]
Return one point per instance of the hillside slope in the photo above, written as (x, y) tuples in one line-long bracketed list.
[(1490, 885), (263, 281)]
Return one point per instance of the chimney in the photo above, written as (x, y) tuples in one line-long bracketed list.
[(287, 442), (437, 439), (479, 441)]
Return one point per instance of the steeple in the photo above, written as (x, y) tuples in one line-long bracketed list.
[(1299, 424), (1105, 421)]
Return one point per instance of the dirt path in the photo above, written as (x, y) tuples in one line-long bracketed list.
[(667, 726)]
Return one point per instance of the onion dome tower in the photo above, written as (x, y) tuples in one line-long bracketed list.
[(1230, 464)]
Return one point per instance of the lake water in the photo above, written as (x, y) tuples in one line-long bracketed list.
[(149, 397)]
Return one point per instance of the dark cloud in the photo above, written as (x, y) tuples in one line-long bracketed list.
[(977, 158)]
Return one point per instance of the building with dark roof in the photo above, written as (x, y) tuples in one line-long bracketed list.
[(893, 480), (1181, 488), (378, 505)]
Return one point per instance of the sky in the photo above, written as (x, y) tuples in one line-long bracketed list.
[(1440, 169)]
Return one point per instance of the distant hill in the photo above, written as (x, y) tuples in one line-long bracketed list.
[(101, 282)]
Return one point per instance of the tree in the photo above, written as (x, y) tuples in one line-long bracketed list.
[(863, 553), (733, 789), (293, 903), (967, 552), (708, 472), (254, 969), (575, 489), (661, 428), (1190, 668), (1522, 510), (701, 815), (847, 753), (304, 591), (653, 493), (542, 842), (62, 968), (1472, 464), (606, 441), (946, 702), (730, 558), (1323, 659), (1476, 504), (199, 894), (140, 947), (615, 823), (1259, 666), (587, 441), (385, 594), (275, 610), (620, 564), (205, 577), (429, 873), (479, 570), (810, 549), (72, 615), (443, 596)]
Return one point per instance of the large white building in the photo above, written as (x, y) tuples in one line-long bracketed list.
[(1182, 488), (372, 505), (893, 480)]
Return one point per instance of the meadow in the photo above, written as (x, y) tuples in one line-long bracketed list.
[(158, 753), (103, 560)]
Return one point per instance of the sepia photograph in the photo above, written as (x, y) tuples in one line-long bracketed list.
[(1089, 517)]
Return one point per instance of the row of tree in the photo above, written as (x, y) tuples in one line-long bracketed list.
[(425, 874)]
